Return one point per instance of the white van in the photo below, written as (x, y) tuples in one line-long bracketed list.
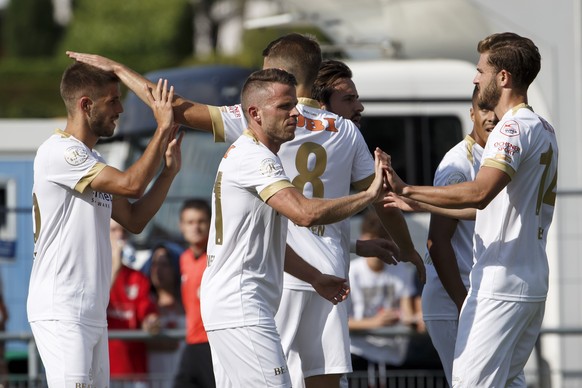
[(415, 110)]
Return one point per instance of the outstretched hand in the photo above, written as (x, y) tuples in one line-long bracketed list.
[(402, 203), (394, 182), (332, 288), (102, 63), (378, 187)]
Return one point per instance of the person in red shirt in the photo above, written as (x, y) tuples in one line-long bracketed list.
[(196, 364), (130, 308)]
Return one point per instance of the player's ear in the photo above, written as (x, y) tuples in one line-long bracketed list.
[(255, 114), (85, 103)]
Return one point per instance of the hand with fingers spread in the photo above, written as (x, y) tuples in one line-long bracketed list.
[(161, 102)]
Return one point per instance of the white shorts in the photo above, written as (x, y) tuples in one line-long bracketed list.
[(443, 335), (249, 356), (494, 341), (314, 335), (73, 354)]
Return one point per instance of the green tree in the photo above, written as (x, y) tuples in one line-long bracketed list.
[(145, 34), (30, 29)]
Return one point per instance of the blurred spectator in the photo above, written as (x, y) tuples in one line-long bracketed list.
[(163, 270), (130, 308), (196, 362), (379, 298)]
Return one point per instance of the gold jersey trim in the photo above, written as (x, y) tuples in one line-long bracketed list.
[(273, 188), (309, 102), (88, 178), (506, 168), (217, 124), (470, 143)]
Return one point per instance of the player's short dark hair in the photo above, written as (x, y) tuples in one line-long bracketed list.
[(330, 72), (80, 79), (516, 54), (196, 204), (300, 54), (260, 80)]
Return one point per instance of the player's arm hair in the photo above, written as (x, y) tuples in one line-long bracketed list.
[(476, 194), (315, 211), (186, 112)]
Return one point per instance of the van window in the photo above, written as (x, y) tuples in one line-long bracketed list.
[(416, 143)]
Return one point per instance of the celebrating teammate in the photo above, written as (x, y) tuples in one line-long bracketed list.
[(327, 155), (515, 190), (75, 194)]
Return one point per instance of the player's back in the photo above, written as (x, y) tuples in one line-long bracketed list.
[(511, 232), (326, 157)]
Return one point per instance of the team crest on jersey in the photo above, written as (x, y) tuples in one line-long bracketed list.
[(269, 167), (510, 128), (76, 155), (456, 177)]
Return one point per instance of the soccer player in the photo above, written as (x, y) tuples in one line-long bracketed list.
[(336, 92), (242, 286), (75, 194), (327, 155), (515, 192)]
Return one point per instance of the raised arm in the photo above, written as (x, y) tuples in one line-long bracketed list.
[(410, 205), (476, 194), (315, 211), (186, 112), (134, 216), (133, 182)]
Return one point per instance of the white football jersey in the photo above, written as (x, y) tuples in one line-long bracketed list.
[(246, 244), (511, 232), (460, 164), (327, 155), (71, 272)]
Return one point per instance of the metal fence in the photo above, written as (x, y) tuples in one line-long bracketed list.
[(393, 378)]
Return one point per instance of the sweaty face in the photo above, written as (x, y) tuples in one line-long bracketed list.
[(105, 110), (344, 101), (278, 113), (486, 79)]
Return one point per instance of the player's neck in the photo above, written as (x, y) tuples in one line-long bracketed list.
[(303, 91), (508, 100)]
